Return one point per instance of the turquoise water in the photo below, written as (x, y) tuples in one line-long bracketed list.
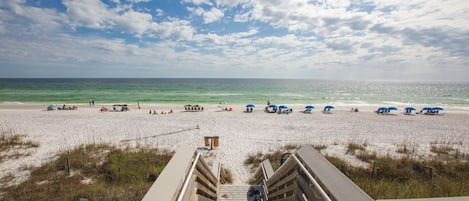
[(236, 91)]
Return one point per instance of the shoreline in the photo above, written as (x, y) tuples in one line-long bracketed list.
[(214, 106)]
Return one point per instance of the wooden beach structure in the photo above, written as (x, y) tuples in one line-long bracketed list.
[(193, 108), (305, 175)]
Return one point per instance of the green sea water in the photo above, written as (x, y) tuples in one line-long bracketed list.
[(236, 91)]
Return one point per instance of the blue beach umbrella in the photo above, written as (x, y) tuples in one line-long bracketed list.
[(437, 108), (309, 107), (382, 109), (250, 105), (282, 107), (392, 108), (329, 107), (427, 108), (410, 108), (51, 106)]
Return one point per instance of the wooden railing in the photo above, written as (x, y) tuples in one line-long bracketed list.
[(307, 175), (186, 177)]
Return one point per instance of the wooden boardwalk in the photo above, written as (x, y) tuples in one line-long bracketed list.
[(305, 176)]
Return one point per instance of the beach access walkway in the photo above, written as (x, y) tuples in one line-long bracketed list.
[(305, 176)]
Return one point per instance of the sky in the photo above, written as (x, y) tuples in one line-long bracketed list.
[(318, 39)]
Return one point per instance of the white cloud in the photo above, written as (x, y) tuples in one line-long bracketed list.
[(242, 17), (211, 40), (198, 2), (134, 22), (230, 3), (2, 28), (95, 14), (324, 35), (213, 15), (138, 1), (159, 12), (289, 40), (198, 11), (89, 13), (429, 24), (209, 16), (14, 5), (174, 29), (15, 12)]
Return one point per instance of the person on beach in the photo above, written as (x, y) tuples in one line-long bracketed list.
[(104, 109)]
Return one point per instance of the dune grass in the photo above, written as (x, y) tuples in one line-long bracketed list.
[(443, 175), (227, 175), (14, 146), (399, 178), (404, 149), (94, 172), (253, 160), (352, 148), (389, 178)]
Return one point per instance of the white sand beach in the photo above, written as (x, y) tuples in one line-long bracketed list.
[(240, 133)]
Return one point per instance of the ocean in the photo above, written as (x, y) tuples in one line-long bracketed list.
[(235, 91)]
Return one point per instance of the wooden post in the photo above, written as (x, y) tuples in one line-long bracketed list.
[(215, 141), (211, 143), (68, 164)]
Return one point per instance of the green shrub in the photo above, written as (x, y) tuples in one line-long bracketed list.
[(113, 174)]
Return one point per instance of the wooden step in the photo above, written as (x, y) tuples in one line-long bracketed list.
[(239, 192)]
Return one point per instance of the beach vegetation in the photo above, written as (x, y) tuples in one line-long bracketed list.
[(366, 156), (319, 147), (14, 146), (405, 149), (253, 160), (389, 177), (93, 172), (441, 149), (446, 152), (227, 175), (353, 147), (291, 147)]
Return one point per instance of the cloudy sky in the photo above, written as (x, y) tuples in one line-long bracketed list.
[(319, 39)]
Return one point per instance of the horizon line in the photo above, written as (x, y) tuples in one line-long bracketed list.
[(240, 78)]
